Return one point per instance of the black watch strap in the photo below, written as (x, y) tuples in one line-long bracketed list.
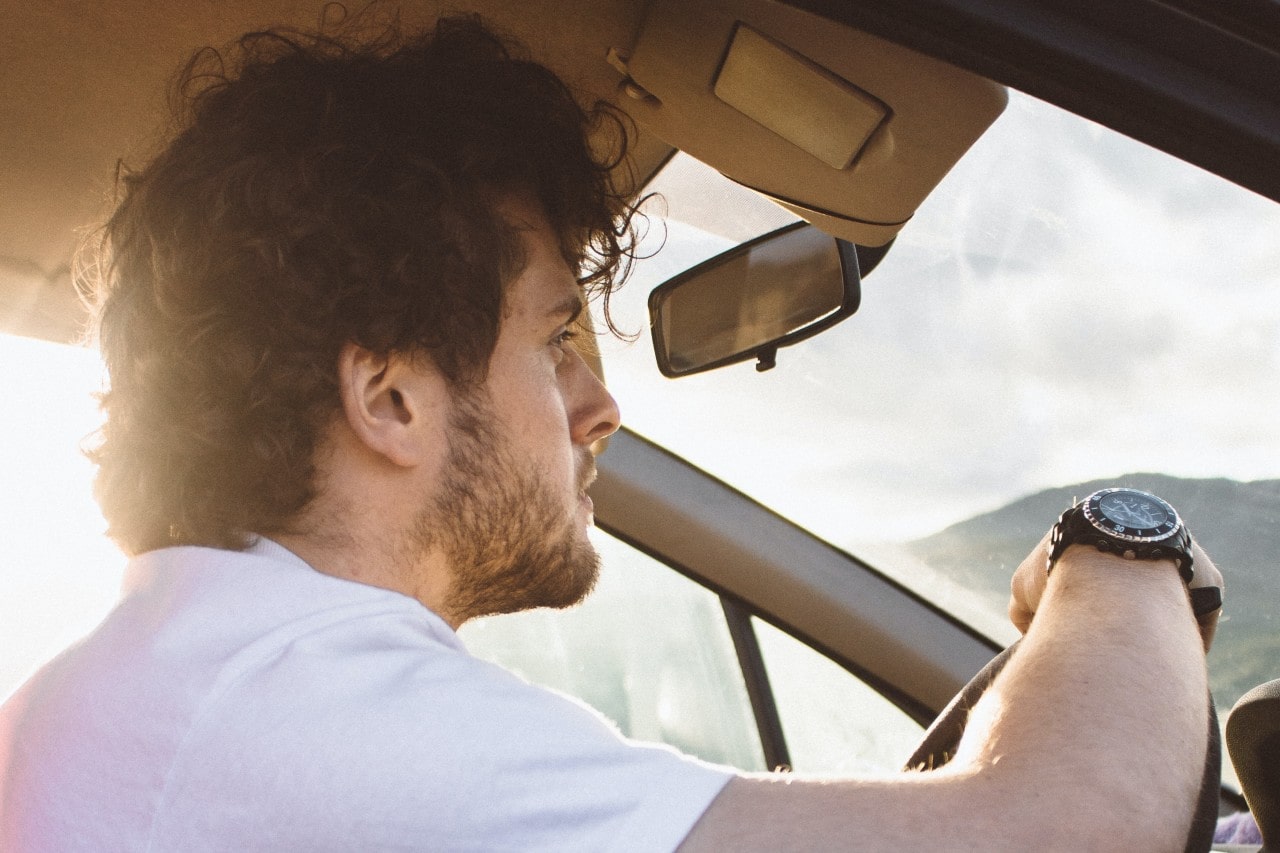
[(1205, 600)]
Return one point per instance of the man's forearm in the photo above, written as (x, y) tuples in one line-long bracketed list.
[(1091, 739), (1108, 690)]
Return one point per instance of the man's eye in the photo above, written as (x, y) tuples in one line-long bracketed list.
[(564, 337)]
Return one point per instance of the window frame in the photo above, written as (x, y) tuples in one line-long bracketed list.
[(909, 650)]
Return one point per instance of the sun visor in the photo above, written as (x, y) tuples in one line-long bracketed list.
[(849, 131)]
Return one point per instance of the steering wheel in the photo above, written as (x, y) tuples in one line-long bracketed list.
[(943, 737)]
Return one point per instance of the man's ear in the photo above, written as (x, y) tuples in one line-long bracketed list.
[(394, 404)]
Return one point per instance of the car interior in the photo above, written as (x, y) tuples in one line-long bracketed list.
[(914, 276)]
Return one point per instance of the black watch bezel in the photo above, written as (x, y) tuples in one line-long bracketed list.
[(1097, 516)]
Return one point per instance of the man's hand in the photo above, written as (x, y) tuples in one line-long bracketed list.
[(1031, 577)]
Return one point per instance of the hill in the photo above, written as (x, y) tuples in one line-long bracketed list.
[(1237, 523)]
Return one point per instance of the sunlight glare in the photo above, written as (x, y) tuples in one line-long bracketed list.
[(59, 575)]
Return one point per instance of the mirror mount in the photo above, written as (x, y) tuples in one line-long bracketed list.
[(768, 359)]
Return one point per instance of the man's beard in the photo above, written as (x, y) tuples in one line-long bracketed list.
[(510, 543)]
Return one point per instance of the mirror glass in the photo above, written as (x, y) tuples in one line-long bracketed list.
[(746, 303)]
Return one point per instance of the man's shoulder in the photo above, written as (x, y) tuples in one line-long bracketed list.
[(240, 695), (197, 629)]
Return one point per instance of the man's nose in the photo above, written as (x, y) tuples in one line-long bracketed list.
[(594, 414)]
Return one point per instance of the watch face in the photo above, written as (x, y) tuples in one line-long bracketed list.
[(1131, 514)]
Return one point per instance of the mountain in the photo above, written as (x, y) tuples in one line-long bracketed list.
[(1237, 523)]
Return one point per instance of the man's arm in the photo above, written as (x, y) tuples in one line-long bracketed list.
[(1093, 737)]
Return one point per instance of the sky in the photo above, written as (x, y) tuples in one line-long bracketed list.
[(1067, 305)]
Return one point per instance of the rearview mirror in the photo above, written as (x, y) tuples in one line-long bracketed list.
[(748, 302)]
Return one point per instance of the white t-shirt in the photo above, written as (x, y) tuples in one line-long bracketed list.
[(243, 701)]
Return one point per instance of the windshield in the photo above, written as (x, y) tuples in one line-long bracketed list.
[(1069, 309)]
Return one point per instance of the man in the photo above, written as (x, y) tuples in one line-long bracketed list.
[(346, 415)]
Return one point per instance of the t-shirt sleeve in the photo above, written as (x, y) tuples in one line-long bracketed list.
[(394, 750), (566, 779)]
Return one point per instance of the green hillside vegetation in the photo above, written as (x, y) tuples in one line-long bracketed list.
[(1237, 523)]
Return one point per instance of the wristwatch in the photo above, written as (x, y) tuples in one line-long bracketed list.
[(1134, 524)]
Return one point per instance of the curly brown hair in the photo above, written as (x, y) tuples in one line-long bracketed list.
[(323, 190)]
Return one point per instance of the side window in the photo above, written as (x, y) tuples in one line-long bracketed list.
[(834, 723), (649, 649), (653, 651), (58, 574)]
